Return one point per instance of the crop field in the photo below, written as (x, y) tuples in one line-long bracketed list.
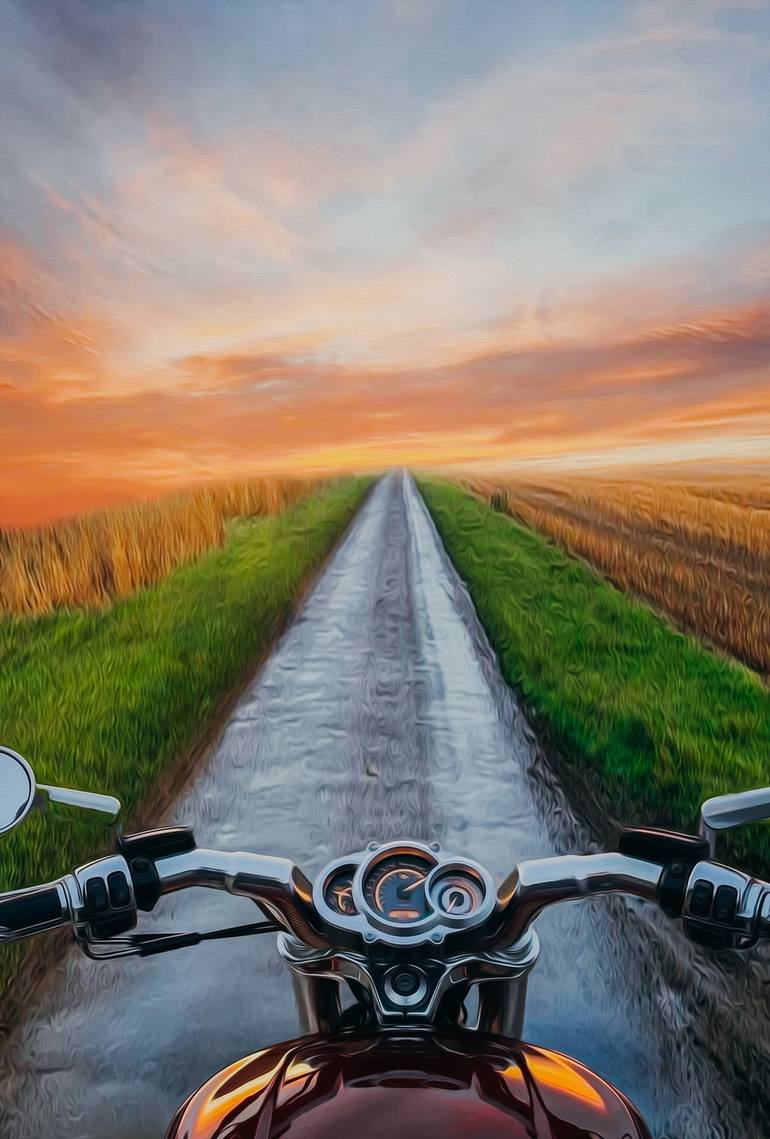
[(108, 699), (93, 559), (700, 553), (652, 719)]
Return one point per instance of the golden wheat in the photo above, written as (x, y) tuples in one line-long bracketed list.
[(700, 553), (90, 560)]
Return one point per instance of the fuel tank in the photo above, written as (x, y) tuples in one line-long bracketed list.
[(407, 1085)]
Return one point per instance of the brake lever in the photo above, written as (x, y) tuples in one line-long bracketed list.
[(150, 944)]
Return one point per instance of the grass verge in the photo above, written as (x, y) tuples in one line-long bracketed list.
[(106, 700), (646, 713)]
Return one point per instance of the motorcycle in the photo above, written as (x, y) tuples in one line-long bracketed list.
[(409, 966)]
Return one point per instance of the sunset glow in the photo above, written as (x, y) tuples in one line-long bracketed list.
[(240, 239)]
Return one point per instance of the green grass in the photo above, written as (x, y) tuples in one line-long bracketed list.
[(106, 700), (653, 717)]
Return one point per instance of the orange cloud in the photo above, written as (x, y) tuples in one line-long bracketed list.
[(44, 350), (237, 414)]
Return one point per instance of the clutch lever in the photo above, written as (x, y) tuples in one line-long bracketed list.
[(150, 944)]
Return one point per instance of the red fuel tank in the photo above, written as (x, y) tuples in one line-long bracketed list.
[(407, 1085)]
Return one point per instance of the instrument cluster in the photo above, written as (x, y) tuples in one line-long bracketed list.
[(404, 893)]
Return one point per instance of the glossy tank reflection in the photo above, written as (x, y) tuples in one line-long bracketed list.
[(411, 1085)]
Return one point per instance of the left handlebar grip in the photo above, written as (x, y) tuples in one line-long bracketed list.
[(26, 912)]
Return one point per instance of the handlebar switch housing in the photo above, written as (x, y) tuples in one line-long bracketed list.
[(723, 907), (103, 901)]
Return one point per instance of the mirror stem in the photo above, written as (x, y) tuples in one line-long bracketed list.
[(106, 805)]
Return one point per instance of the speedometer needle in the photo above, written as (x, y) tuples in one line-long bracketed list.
[(404, 890)]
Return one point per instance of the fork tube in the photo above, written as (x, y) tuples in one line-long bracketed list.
[(502, 1005), (318, 1003)]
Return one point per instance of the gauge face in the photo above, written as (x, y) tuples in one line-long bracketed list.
[(395, 888), (458, 894), (403, 894), (338, 892)]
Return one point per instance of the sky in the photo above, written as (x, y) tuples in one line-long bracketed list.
[(240, 238)]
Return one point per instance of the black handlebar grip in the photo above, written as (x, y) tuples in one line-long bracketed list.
[(38, 906)]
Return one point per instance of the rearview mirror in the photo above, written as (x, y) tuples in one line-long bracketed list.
[(724, 812), (19, 792), (17, 789)]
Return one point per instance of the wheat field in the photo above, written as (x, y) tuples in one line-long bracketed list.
[(92, 559), (699, 552)]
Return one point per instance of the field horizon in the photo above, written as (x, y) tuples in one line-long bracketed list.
[(122, 496)]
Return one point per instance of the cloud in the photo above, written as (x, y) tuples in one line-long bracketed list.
[(239, 414), (46, 351), (236, 243)]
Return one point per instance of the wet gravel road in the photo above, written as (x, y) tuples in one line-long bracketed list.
[(380, 714)]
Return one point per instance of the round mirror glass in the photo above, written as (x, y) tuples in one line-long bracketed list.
[(17, 789)]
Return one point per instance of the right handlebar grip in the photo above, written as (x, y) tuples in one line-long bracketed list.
[(29, 911)]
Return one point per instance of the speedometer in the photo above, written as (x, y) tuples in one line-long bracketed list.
[(402, 894), (395, 887)]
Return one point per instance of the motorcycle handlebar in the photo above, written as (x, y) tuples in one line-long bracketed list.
[(283, 891), (719, 906), (541, 882), (157, 864), (275, 884)]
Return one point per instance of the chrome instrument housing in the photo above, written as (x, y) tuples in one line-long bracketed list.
[(375, 927)]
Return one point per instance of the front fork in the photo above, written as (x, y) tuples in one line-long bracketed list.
[(502, 1005), (319, 1006), (498, 980)]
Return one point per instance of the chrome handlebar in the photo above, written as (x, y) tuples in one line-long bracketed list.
[(101, 900), (721, 907), (542, 882), (275, 884)]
